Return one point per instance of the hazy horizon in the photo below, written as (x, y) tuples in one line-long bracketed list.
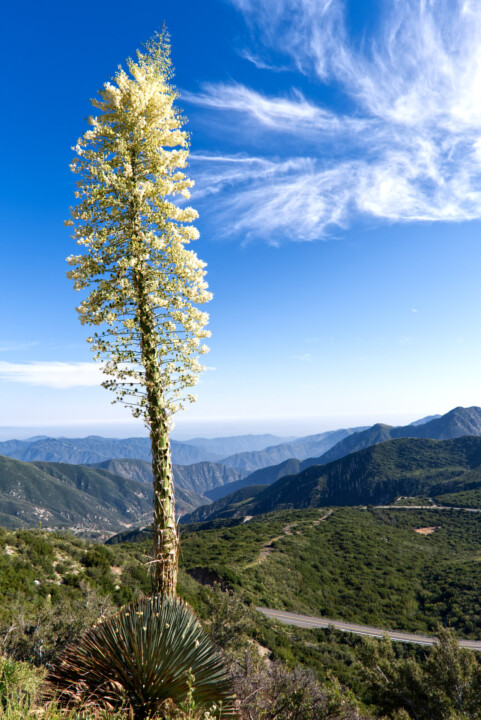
[(214, 428)]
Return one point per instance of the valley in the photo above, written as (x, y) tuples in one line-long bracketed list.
[(386, 537)]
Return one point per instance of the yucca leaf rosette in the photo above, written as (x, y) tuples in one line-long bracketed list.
[(148, 653)]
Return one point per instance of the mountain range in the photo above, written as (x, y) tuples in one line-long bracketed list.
[(64, 495), (301, 448), (96, 449), (123, 467), (458, 422), (376, 475), (196, 478)]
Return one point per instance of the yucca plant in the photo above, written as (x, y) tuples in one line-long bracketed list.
[(148, 655)]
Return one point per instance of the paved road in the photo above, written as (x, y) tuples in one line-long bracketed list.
[(307, 621), (424, 507)]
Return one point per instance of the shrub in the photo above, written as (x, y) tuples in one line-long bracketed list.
[(272, 691), (37, 635)]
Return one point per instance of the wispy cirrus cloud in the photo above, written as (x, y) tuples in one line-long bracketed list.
[(58, 375), (272, 198), (292, 114), (259, 62), (410, 150)]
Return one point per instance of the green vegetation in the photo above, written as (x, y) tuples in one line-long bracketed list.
[(446, 686), (362, 565), (367, 566), (62, 495), (468, 499)]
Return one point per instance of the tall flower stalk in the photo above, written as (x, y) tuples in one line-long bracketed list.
[(145, 285)]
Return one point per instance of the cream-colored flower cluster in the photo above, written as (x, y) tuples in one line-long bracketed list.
[(144, 284)]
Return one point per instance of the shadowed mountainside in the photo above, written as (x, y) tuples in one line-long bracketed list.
[(376, 475)]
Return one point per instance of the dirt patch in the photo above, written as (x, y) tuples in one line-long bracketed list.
[(425, 531), (268, 548), (323, 518)]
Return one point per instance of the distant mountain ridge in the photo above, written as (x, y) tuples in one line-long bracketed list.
[(225, 446), (455, 423), (76, 451), (375, 475), (96, 449), (424, 420), (299, 449), (458, 422)]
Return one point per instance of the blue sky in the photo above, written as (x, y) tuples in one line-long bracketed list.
[(336, 149)]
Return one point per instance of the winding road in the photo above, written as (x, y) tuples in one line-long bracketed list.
[(307, 621)]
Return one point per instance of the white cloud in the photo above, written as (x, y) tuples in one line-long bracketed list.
[(259, 62), (58, 375), (272, 198), (294, 114), (410, 149)]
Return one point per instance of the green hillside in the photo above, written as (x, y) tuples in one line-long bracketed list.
[(61, 495), (466, 499), (370, 566), (374, 476), (366, 566)]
